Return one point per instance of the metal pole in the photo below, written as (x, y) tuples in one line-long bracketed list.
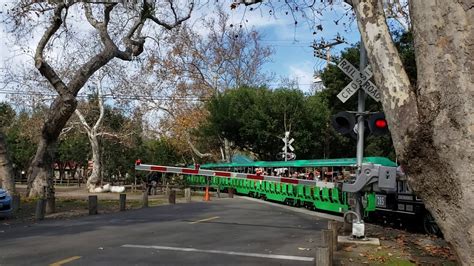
[(361, 128), (286, 147)]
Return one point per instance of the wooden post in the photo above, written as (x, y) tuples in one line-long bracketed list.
[(347, 227), (323, 257), (51, 204), (187, 194), (145, 199), (230, 191), (93, 208), (326, 241), (172, 197), (40, 209), (218, 192), (16, 200), (123, 199), (333, 226)]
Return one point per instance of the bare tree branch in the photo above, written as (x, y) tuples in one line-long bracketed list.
[(84, 122), (177, 21), (101, 106), (44, 68), (195, 150)]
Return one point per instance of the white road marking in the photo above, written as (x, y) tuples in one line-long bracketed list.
[(257, 255), (295, 209), (205, 220)]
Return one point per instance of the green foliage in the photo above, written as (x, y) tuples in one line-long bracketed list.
[(20, 141), (20, 147), (406, 49), (118, 152), (7, 114), (74, 147), (158, 151), (255, 119)]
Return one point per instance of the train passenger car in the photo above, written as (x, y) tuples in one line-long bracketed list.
[(317, 183), (323, 189)]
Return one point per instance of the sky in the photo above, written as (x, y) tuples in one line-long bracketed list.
[(293, 57)]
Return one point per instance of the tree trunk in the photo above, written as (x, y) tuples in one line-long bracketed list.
[(441, 155), (61, 167), (40, 170), (228, 156), (96, 175), (432, 125), (7, 180)]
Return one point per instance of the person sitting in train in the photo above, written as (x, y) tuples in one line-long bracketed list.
[(310, 176), (317, 175)]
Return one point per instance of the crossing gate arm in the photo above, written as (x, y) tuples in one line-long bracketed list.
[(204, 172)]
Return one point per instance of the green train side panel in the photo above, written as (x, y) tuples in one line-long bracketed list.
[(322, 198), (316, 194), (300, 192), (308, 193), (290, 190), (335, 195), (275, 196), (325, 194), (371, 201)]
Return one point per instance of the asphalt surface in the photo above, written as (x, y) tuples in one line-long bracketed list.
[(221, 232)]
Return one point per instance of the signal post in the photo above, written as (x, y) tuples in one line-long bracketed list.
[(344, 122)]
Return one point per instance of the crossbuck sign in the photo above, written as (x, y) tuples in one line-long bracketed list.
[(359, 80)]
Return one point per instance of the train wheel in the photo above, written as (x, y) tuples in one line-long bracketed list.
[(429, 225)]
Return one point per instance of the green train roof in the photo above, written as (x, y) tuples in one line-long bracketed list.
[(304, 163)]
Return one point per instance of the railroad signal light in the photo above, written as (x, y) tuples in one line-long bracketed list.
[(343, 122), (378, 124)]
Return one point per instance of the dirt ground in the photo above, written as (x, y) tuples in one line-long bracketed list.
[(72, 202), (397, 247)]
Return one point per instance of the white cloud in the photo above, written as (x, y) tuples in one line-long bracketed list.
[(303, 73)]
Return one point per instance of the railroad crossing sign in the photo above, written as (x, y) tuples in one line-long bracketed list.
[(359, 80), (289, 156), (286, 139), (287, 142)]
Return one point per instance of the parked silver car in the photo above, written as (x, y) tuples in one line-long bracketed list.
[(5, 204)]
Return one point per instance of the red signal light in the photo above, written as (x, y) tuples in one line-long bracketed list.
[(381, 123)]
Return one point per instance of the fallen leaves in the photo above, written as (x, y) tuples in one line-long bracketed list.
[(348, 248), (401, 240), (437, 251)]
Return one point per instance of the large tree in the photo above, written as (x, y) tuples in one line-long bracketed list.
[(119, 33), (431, 122), (7, 181), (206, 57)]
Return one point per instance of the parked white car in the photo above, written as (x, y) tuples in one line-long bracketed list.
[(5, 204)]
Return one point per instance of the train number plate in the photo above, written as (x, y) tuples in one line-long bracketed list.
[(381, 201)]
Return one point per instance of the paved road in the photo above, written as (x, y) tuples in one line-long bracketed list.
[(221, 232)]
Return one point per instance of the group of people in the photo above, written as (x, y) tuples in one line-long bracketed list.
[(309, 174)]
